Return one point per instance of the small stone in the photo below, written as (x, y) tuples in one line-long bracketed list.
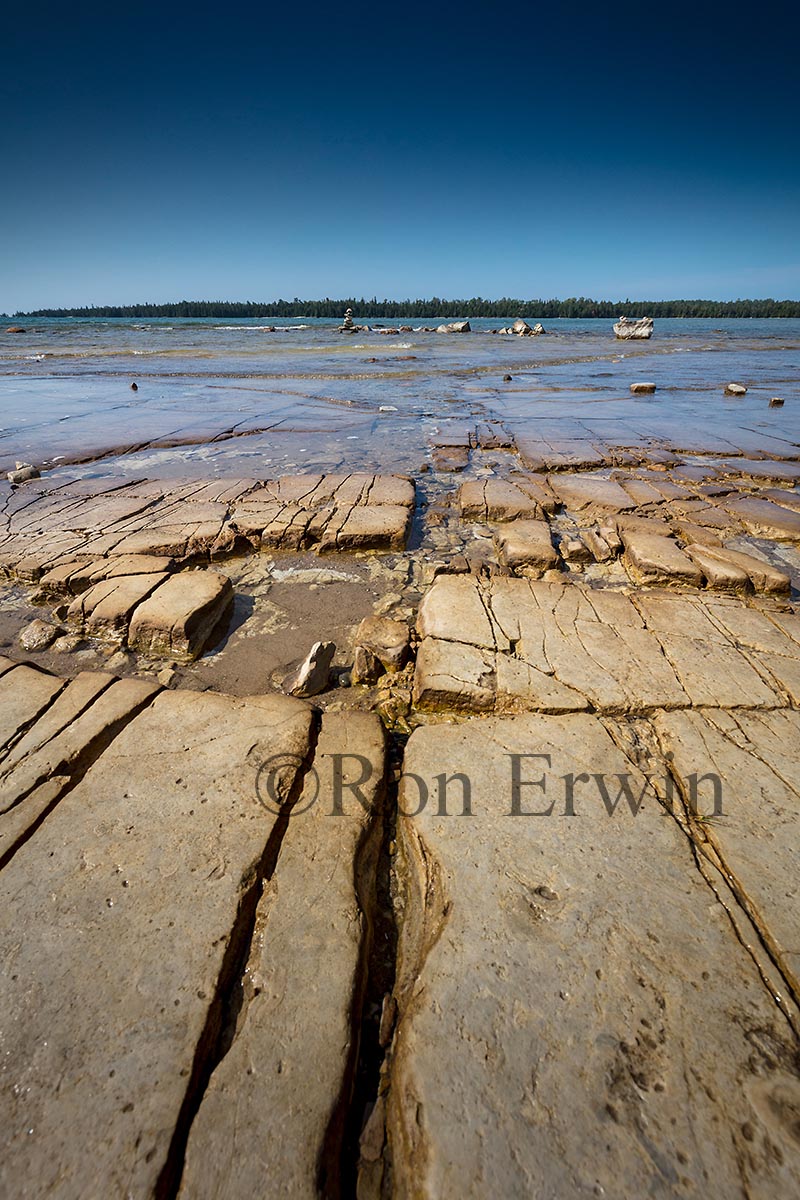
[(386, 640), (643, 389), (60, 612), (735, 389), (314, 673), (345, 680), (120, 660), (23, 472), (389, 601), (134, 387), (776, 402), (167, 676), (367, 668), (67, 644), (387, 408), (38, 635), (507, 379)]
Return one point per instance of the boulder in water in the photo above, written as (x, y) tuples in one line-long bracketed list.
[(628, 328), (455, 327)]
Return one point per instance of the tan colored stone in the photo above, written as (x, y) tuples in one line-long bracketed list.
[(556, 976), (711, 668), (105, 609), (26, 693), (274, 1092), (386, 639), (371, 527), (177, 620), (720, 575), (81, 722), (756, 758), (118, 915), (590, 493), (526, 546), (496, 500), (651, 558), (763, 576), (454, 675), (766, 519)]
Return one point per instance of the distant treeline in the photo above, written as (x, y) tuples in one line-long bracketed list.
[(419, 309)]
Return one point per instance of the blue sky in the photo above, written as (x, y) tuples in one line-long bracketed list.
[(616, 151)]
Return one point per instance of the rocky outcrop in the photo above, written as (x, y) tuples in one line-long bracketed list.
[(630, 328), (455, 327), (652, 558), (151, 867)]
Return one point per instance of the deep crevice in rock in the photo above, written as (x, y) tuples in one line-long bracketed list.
[(340, 1156), (219, 1030)]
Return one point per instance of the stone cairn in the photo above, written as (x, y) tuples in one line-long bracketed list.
[(347, 323)]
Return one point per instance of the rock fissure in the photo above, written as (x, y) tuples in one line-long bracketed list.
[(223, 1012), (363, 1082), (708, 858)]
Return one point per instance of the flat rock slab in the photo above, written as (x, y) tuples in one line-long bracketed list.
[(519, 645), (266, 1115), (582, 493), (54, 528), (651, 558), (764, 518), (496, 500), (576, 1014), (116, 919), (82, 720), (26, 694), (756, 759), (178, 618)]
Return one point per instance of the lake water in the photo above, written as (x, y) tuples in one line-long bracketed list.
[(230, 397)]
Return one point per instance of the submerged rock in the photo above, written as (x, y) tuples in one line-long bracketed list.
[(776, 402), (735, 389), (628, 328), (314, 673), (643, 389)]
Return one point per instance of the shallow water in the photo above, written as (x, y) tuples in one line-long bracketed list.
[(229, 397)]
